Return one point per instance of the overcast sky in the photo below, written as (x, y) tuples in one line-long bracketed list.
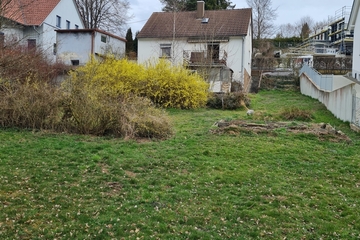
[(289, 11)]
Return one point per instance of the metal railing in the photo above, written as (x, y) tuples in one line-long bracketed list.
[(206, 57), (323, 82)]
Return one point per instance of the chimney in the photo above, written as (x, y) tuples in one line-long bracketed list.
[(200, 11)]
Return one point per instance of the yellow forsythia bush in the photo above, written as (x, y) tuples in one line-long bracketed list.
[(174, 86), (165, 85)]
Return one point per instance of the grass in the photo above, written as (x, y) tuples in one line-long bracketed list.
[(197, 185)]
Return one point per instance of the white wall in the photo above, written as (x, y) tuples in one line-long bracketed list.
[(78, 46), (113, 45), (66, 9), (339, 101), (73, 46), (149, 49), (356, 49)]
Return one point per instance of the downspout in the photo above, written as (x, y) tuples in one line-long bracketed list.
[(92, 42), (36, 30), (242, 59)]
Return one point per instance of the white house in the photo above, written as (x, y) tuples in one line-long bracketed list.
[(75, 46), (33, 22), (354, 23), (217, 41)]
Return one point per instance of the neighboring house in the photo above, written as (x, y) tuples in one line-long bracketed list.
[(340, 94), (334, 38), (354, 24), (217, 42), (32, 22), (75, 46)]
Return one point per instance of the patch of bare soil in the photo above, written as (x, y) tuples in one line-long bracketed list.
[(322, 130)]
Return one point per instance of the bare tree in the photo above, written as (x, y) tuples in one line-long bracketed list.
[(190, 5), (287, 30), (109, 15), (174, 5), (263, 16), (306, 20), (320, 24)]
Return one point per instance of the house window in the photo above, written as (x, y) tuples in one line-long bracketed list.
[(31, 44), (75, 62), (103, 38), (76, 26), (67, 24), (58, 21), (165, 50), (54, 49), (214, 52)]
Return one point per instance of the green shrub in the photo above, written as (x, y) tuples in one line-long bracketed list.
[(232, 100)]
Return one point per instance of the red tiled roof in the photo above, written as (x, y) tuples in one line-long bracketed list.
[(222, 23), (30, 12)]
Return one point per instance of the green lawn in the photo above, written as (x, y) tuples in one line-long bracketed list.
[(196, 185)]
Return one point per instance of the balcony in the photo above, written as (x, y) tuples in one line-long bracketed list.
[(205, 58)]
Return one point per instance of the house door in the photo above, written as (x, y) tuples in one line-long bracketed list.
[(31, 44), (213, 51)]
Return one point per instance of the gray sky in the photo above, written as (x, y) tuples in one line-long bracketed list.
[(289, 11)]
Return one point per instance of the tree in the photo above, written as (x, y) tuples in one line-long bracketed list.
[(301, 23), (320, 24), (109, 15), (305, 31), (287, 31), (190, 5), (136, 41), (130, 41), (263, 17)]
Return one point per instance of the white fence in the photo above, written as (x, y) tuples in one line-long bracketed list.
[(324, 82), (339, 94)]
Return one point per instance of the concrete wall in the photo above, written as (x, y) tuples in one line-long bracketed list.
[(80, 46), (74, 46), (339, 101)]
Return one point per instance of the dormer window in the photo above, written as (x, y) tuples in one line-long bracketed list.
[(58, 21), (205, 20)]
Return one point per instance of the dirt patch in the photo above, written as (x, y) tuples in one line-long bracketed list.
[(322, 130)]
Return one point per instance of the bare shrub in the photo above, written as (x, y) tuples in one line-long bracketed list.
[(232, 100), (21, 64), (90, 110), (29, 105), (295, 113)]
